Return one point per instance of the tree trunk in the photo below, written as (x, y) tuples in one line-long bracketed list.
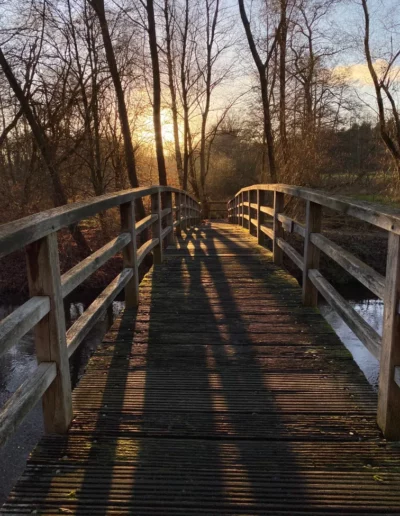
[(162, 172), (282, 80), (98, 6), (172, 89)]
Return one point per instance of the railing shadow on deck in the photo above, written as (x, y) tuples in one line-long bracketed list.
[(209, 408)]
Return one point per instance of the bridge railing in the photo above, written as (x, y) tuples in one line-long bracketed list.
[(250, 209), (44, 311)]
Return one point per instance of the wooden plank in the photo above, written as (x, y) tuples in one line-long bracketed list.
[(389, 392), (75, 276), (24, 399), (379, 215), (96, 310), (291, 226), (129, 254), (311, 252), (21, 320), (165, 212), (170, 220), (156, 228), (279, 204), (145, 223), (178, 214), (291, 252), (145, 249), (16, 235), (234, 385), (366, 275), (267, 210), (45, 280), (397, 375), (260, 217), (368, 336), (165, 232), (267, 231)]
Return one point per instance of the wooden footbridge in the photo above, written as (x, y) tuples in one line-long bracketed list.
[(220, 389)]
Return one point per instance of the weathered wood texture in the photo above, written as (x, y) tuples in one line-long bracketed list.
[(221, 394)]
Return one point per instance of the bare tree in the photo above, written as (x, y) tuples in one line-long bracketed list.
[(98, 6), (390, 132), (169, 16), (265, 82), (162, 172), (59, 196)]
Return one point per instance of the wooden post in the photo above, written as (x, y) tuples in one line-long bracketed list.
[(389, 392), (184, 212), (129, 253), (311, 252), (189, 201), (50, 333), (260, 216), (242, 211), (279, 204), (157, 227), (178, 214), (252, 211), (169, 219), (237, 210)]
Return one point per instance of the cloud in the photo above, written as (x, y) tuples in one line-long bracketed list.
[(359, 73)]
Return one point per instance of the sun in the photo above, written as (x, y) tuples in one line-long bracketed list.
[(145, 130)]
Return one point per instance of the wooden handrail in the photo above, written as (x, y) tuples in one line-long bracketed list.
[(44, 311), (244, 211)]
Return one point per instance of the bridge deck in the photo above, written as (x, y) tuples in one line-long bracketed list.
[(220, 395)]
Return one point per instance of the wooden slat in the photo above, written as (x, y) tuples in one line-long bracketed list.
[(253, 222), (220, 394), (368, 336), (291, 226), (44, 279), (397, 376), (165, 212), (365, 274), (267, 231), (16, 235), (145, 249), (21, 320), (377, 214), (145, 223), (267, 210), (75, 276), (166, 231), (311, 252), (389, 393), (95, 311), (291, 252), (25, 398)]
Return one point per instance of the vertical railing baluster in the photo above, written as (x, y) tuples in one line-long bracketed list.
[(157, 227), (169, 219), (178, 214), (311, 252), (242, 208), (260, 216), (389, 392), (279, 204), (129, 253), (50, 333)]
